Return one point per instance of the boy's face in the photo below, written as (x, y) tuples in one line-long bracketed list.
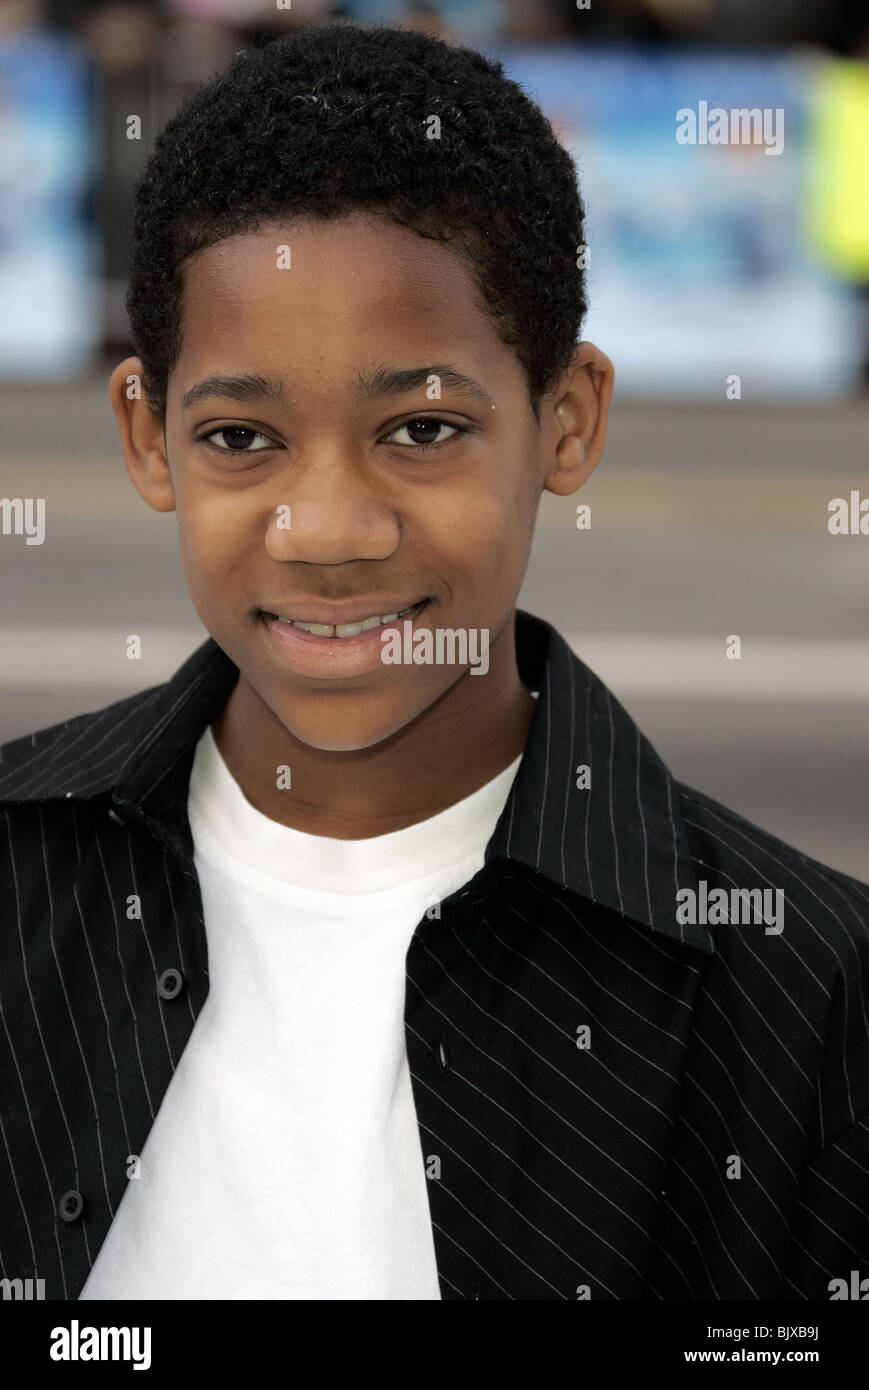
[(312, 497)]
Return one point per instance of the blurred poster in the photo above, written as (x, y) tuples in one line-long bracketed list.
[(48, 325), (701, 266)]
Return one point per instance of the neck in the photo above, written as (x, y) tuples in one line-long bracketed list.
[(464, 739)]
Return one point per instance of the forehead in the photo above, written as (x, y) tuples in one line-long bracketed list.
[(320, 296)]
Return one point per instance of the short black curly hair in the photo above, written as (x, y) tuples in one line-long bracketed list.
[(335, 118)]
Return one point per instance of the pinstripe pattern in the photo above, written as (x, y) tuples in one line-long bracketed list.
[(560, 1167)]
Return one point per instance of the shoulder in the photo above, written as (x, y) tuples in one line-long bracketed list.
[(799, 988), (723, 840), (78, 756), (817, 947)]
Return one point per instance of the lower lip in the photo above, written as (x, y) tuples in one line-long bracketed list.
[(305, 654)]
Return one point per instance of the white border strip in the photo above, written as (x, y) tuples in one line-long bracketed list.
[(58, 656)]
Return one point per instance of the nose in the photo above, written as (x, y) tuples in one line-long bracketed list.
[(333, 509)]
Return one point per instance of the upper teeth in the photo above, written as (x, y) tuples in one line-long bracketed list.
[(348, 629)]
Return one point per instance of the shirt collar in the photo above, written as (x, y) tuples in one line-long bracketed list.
[(619, 842)]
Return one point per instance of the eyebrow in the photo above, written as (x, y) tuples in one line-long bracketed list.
[(384, 381), (236, 388), (380, 381)]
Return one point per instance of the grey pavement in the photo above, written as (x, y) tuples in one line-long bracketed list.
[(706, 522)]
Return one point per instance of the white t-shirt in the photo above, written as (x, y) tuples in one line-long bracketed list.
[(285, 1161)]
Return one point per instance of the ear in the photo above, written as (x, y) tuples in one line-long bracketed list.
[(142, 436), (575, 417)]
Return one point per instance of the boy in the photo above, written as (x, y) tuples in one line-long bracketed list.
[(377, 955)]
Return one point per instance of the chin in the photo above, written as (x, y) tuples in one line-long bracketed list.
[(341, 735)]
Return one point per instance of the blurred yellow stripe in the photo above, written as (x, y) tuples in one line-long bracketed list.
[(741, 499)]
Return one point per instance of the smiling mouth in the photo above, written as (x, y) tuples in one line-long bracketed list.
[(342, 631)]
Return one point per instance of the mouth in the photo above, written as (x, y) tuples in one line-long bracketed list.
[(335, 651), (346, 631)]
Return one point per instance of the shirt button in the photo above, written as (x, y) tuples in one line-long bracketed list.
[(70, 1206), (170, 983), (113, 815)]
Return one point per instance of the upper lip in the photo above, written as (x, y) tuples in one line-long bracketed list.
[(352, 612)]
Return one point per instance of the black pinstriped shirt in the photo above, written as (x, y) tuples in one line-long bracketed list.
[(625, 1103)]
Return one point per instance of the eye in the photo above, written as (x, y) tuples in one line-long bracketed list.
[(424, 431), (238, 439)]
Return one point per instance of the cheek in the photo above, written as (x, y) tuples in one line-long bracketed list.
[(486, 542), (499, 523), (214, 541)]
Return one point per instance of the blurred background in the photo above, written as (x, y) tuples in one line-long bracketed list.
[(729, 286)]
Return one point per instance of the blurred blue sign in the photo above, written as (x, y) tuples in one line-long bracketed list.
[(48, 324), (700, 266)]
